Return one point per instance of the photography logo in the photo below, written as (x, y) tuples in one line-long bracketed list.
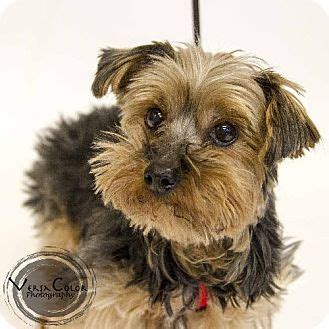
[(51, 287)]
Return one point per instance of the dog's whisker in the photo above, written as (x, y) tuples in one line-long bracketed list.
[(115, 134), (193, 166)]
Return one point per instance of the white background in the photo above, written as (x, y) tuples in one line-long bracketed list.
[(48, 51)]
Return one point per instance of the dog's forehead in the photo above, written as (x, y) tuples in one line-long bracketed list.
[(209, 86)]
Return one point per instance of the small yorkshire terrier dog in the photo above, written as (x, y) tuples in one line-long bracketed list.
[(169, 196)]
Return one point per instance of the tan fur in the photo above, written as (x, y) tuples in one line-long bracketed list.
[(192, 259), (58, 233)]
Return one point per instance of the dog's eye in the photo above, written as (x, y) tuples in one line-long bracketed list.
[(224, 134), (153, 117)]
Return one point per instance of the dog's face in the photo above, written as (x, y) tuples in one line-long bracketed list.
[(201, 133)]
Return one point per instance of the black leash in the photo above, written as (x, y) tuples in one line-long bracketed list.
[(196, 22)]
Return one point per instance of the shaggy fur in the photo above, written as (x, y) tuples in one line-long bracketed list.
[(218, 226)]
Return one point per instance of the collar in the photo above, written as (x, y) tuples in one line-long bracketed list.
[(202, 298)]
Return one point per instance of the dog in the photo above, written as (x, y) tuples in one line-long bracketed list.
[(169, 195)]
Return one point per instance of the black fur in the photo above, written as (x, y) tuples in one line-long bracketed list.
[(60, 181), (61, 184)]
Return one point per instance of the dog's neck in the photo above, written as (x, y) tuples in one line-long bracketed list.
[(231, 275)]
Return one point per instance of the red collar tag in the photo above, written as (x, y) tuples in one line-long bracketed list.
[(203, 298)]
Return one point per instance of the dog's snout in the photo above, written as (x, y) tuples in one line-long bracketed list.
[(161, 180)]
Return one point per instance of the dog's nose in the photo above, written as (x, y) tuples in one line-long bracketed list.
[(161, 180)]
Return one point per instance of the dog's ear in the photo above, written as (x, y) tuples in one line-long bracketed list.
[(117, 67), (289, 130)]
